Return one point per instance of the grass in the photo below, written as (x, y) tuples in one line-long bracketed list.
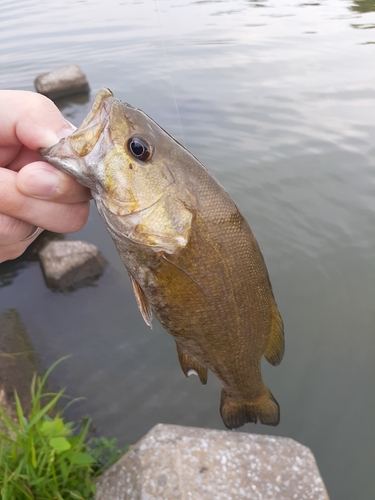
[(42, 457)]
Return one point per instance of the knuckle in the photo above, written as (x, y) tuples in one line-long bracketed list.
[(9, 226)]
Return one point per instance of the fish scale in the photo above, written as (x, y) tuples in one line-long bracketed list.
[(191, 256)]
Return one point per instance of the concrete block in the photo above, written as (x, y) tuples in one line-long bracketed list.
[(61, 82), (184, 463), (66, 263)]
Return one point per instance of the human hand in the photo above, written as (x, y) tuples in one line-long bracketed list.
[(32, 192)]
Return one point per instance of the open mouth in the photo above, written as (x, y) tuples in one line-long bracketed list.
[(66, 153)]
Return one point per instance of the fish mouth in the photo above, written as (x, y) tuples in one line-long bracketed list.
[(83, 140), (70, 153)]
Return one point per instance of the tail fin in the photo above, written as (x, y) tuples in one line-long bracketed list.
[(236, 412)]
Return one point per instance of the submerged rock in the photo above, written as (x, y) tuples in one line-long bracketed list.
[(176, 462), (18, 362), (66, 263), (61, 82)]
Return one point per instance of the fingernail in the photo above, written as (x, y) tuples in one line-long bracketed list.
[(40, 183), (51, 138), (68, 130)]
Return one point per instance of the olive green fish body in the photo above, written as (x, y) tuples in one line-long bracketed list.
[(228, 306), (191, 256)]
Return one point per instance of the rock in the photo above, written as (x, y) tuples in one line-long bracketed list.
[(186, 463), (19, 362), (66, 263), (61, 82)]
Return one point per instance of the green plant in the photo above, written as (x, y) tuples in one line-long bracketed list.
[(44, 458)]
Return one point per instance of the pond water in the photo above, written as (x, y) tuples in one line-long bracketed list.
[(277, 99)]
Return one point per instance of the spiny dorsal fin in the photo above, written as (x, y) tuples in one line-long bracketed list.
[(189, 363), (142, 302), (275, 347)]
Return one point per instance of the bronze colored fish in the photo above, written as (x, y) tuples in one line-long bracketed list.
[(191, 256)]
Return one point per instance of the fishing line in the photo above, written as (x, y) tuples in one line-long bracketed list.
[(169, 73)]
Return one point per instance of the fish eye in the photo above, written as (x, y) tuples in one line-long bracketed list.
[(139, 148)]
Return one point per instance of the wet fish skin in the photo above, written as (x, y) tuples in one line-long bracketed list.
[(191, 256)]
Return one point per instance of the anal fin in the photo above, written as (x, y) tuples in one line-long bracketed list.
[(142, 302), (190, 363), (275, 347)]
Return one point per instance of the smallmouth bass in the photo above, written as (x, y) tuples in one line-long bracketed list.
[(191, 256)]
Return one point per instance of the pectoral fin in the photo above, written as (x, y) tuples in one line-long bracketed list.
[(275, 347), (142, 302), (189, 363)]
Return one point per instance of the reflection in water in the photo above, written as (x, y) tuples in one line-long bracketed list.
[(363, 26), (363, 6), (19, 360), (258, 3), (67, 102), (10, 269)]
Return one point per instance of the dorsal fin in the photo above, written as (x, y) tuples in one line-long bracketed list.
[(190, 363), (142, 302), (275, 346)]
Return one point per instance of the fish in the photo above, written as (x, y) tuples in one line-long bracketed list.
[(192, 258)]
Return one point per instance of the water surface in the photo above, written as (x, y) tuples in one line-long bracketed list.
[(277, 99)]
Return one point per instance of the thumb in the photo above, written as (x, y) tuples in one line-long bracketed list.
[(31, 120)]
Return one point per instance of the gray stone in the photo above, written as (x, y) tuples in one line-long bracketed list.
[(18, 362), (66, 263), (61, 82), (173, 462)]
